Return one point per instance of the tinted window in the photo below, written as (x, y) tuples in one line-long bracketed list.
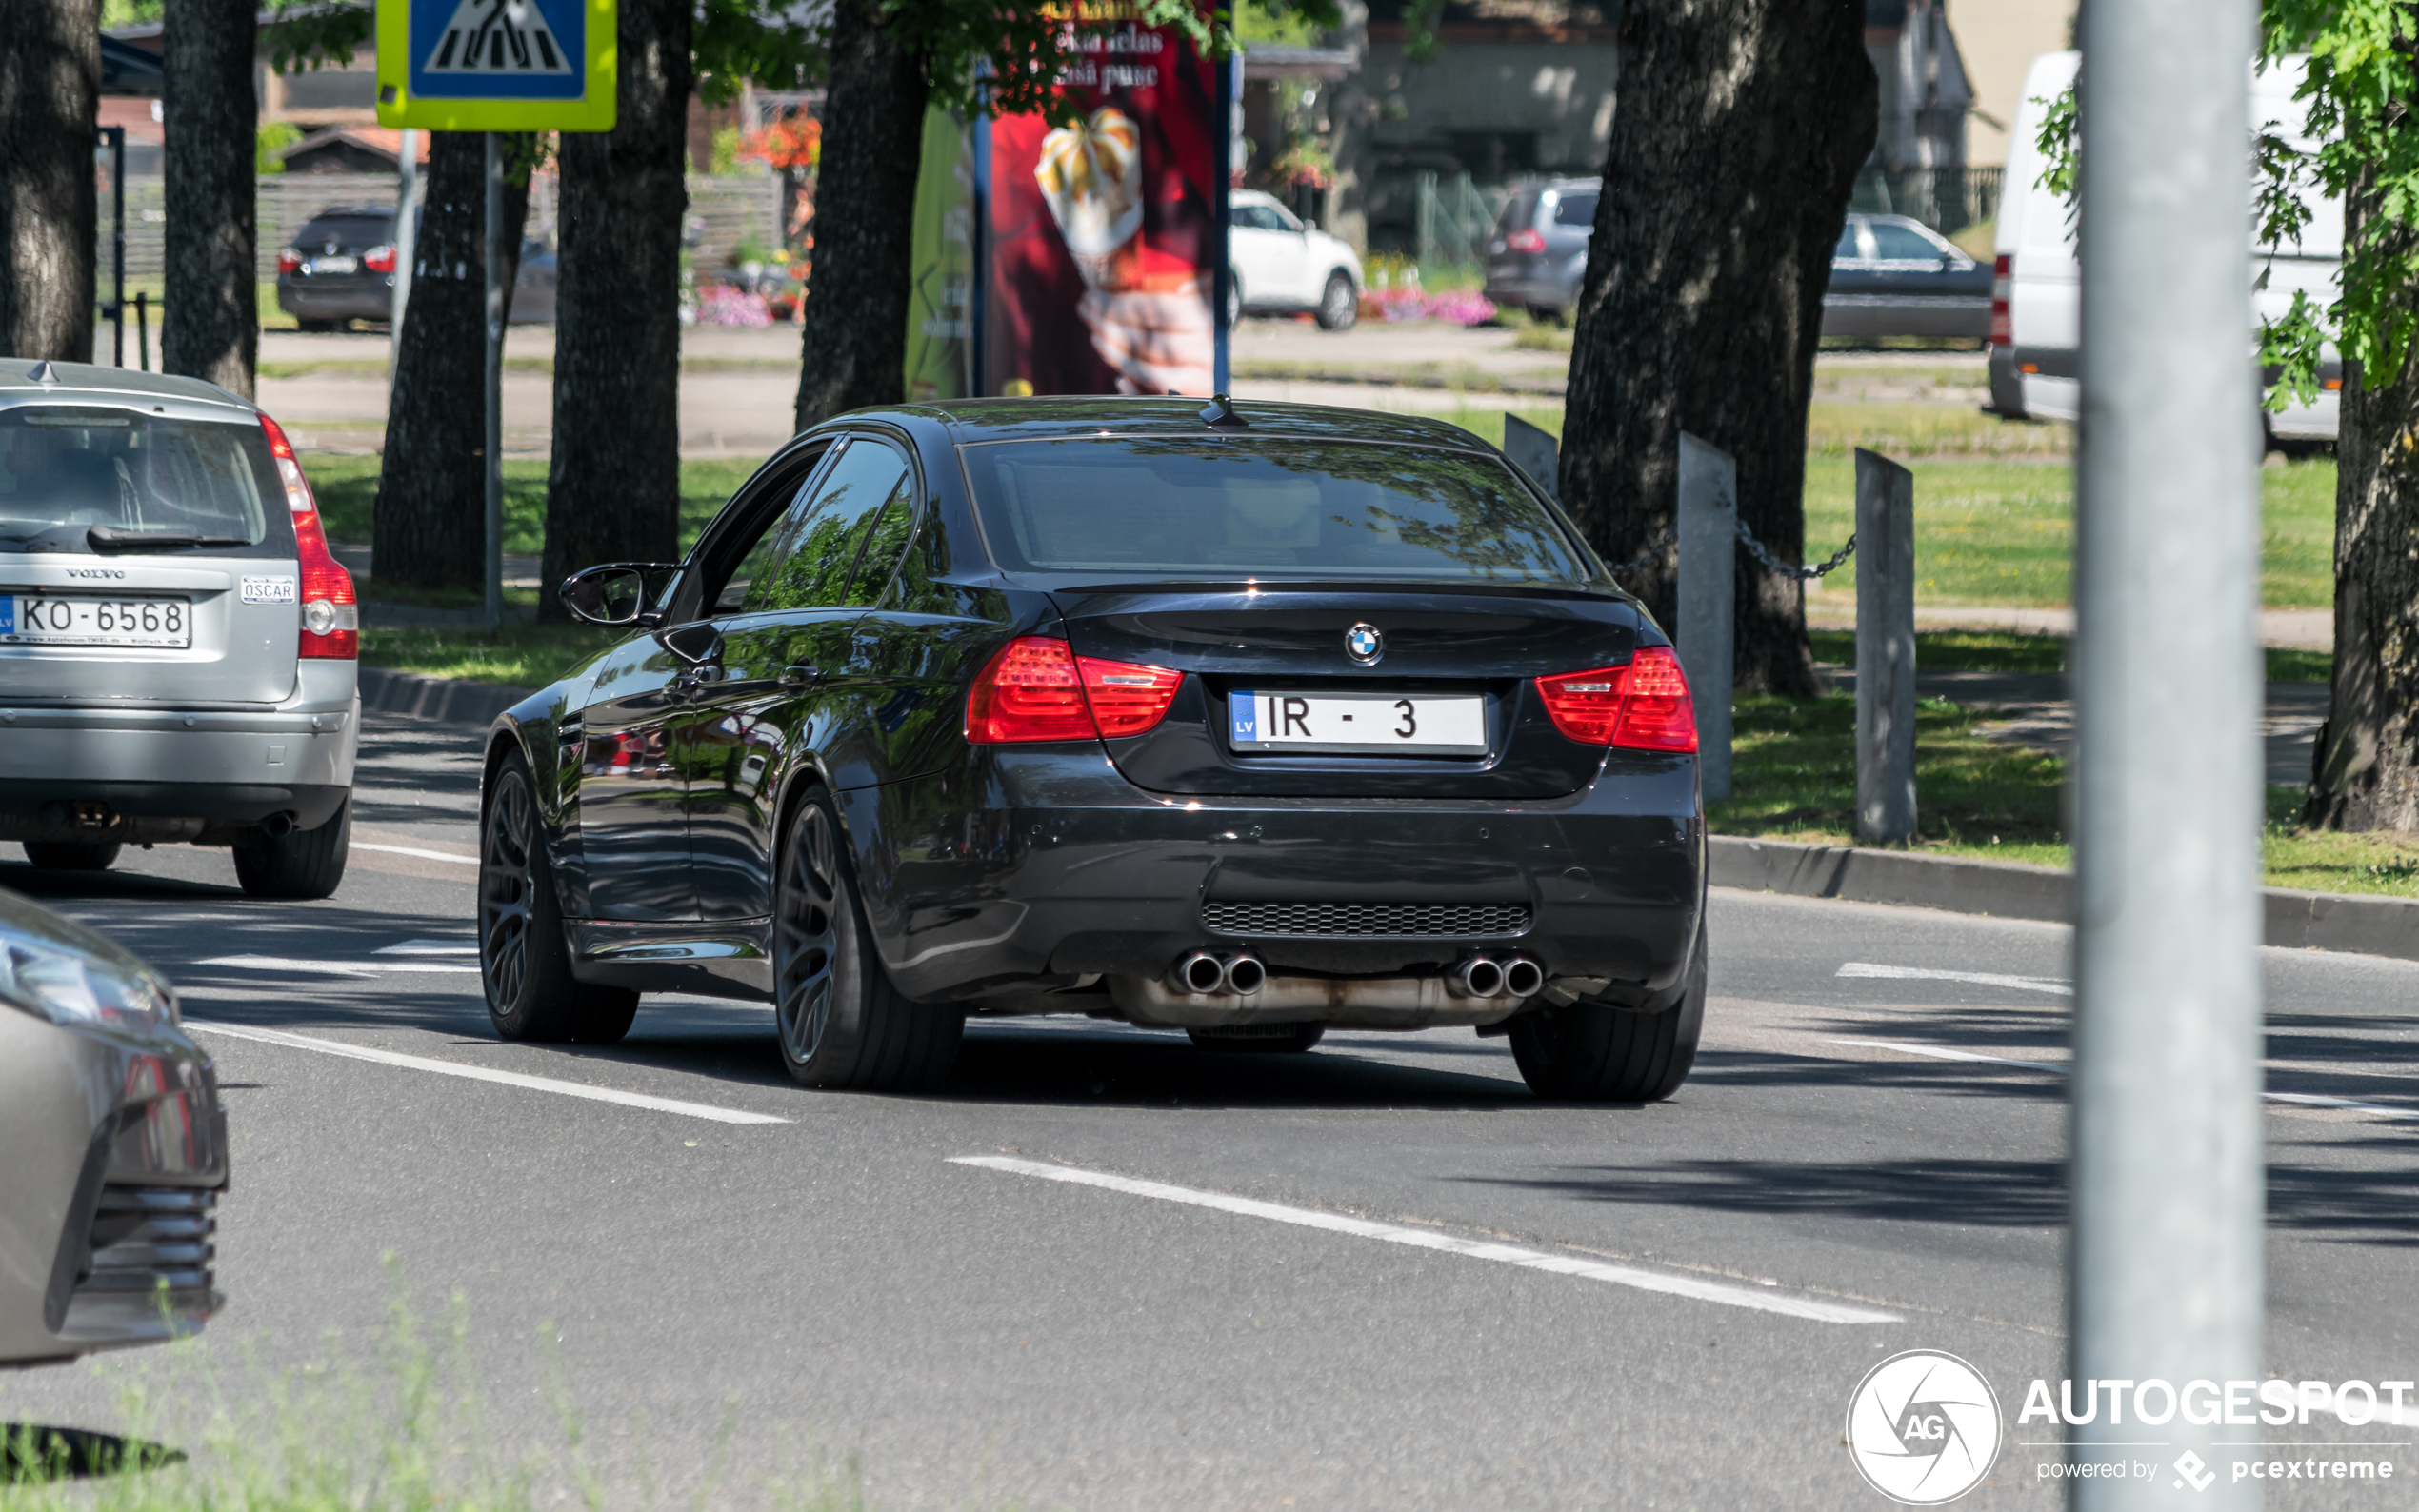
[(1289, 507), (883, 545), (346, 232), (754, 564), (1847, 249), (819, 543), (1256, 218), (77, 468), (1576, 211), (1894, 243)]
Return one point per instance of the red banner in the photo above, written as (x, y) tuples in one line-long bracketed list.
[(1103, 232)]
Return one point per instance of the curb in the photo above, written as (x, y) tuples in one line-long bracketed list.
[(2005, 890), (442, 699)]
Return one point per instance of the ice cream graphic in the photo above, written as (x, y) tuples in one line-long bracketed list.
[(1091, 176)]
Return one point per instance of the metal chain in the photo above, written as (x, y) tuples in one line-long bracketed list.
[(1779, 568), (1662, 546)]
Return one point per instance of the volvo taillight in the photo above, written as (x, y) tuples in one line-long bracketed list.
[(288, 260), (379, 259), (1528, 239), (1644, 706), (331, 616), (1038, 690), (2002, 279)]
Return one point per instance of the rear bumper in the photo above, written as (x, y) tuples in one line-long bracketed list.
[(338, 298), (133, 775), (1078, 874), (1906, 315)]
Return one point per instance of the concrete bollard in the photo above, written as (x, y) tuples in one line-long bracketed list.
[(1885, 651), (1708, 531), (1533, 451)]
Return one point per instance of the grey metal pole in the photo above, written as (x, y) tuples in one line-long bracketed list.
[(1708, 541), (407, 248), (1884, 650), (2165, 1256), (495, 384), (1532, 450)]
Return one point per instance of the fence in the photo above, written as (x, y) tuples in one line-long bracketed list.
[(1946, 199), (724, 210), (1452, 220)]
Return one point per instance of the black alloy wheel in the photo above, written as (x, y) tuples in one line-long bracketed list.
[(524, 961), (840, 1021), (1593, 1052), (1339, 303)]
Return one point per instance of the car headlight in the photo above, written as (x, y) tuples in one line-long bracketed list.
[(64, 987)]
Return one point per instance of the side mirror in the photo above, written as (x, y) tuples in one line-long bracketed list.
[(613, 593)]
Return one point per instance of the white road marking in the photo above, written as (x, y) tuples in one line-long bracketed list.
[(481, 1073), (414, 850), (1428, 1239), (1987, 979), (429, 947), (2061, 1068), (340, 968)]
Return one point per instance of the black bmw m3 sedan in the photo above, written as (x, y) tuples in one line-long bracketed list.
[(1245, 721)]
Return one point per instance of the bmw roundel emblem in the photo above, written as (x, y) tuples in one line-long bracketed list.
[(1363, 644)]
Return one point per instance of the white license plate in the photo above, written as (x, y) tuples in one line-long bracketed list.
[(335, 265), (1358, 723), (41, 619)]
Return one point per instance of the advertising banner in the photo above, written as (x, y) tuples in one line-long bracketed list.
[(1103, 233), (940, 345)]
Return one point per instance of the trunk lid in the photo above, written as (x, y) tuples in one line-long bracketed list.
[(1289, 638)]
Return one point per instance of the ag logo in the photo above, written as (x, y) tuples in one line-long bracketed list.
[(1924, 1427), (1363, 643)]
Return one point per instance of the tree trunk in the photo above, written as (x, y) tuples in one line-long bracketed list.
[(853, 323), (429, 527), (614, 492), (1352, 114), (1737, 139), (212, 325), (2365, 771), (49, 93)]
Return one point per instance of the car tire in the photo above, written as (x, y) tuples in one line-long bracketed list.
[(70, 855), (1592, 1053), (524, 960), (1339, 303), (840, 1021), (1259, 1039), (300, 864)]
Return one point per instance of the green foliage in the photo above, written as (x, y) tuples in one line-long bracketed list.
[(272, 138), (116, 13), (769, 41), (725, 158), (299, 35)]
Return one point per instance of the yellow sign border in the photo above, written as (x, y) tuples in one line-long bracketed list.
[(397, 107)]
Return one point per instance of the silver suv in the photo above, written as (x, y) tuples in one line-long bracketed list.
[(1538, 254), (177, 645)]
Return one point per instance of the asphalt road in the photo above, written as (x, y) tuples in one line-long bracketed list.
[(1675, 1306)]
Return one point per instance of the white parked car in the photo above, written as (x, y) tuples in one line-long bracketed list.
[(1283, 266)]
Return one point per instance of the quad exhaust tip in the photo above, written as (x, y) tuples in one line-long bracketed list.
[(1197, 971), (1245, 975), (1522, 978), (1487, 977)]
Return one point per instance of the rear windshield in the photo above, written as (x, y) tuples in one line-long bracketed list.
[(1576, 209), (344, 230), (1240, 505), (66, 470)]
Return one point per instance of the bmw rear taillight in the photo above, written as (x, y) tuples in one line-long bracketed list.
[(1644, 706), (330, 617), (288, 260), (379, 259), (1037, 688), (1528, 239), (2002, 279)]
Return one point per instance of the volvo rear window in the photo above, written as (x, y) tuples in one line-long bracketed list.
[(1265, 507), (69, 475)]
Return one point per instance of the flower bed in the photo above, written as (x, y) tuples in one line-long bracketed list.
[(1462, 306)]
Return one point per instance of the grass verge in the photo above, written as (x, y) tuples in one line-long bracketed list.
[(1794, 777), (2006, 651), (529, 655), (348, 490)]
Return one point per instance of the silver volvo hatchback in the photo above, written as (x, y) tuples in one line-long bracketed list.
[(178, 647)]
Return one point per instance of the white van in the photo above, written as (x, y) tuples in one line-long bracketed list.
[(2036, 293)]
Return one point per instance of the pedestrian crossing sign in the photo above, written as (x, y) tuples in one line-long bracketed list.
[(497, 65)]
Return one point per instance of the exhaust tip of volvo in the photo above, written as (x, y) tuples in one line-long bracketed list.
[(1246, 975), (1522, 978), (1198, 971)]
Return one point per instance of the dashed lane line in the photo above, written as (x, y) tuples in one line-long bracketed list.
[(1937, 1052), (1630, 1276), (414, 850), (411, 964), (481, 1073)]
